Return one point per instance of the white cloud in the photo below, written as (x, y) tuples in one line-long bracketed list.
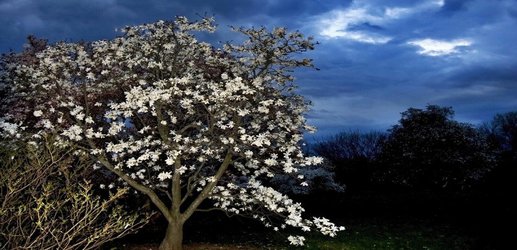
[(401, 12), (432, 47), (397, 12), (338, 23)]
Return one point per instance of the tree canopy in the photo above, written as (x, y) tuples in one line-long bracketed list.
[(428, 149)]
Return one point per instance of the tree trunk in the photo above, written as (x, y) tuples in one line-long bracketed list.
[(173, 237)]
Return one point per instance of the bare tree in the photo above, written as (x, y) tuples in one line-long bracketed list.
[(47, 204)]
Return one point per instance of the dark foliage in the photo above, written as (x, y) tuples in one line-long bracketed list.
[(353, 155), (430, 150), (432, 167)]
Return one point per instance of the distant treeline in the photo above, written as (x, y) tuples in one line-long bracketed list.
[(426, 150)]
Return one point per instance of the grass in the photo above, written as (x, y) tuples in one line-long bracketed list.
[(393, 236), (363, 234)]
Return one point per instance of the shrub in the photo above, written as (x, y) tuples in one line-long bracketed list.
[(47, 202)]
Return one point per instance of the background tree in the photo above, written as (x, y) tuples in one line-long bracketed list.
[(430, 150), (503, 132), (175, 118), (353, 156), (498, 189)]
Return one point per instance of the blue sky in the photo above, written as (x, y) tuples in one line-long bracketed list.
[(376, 58)]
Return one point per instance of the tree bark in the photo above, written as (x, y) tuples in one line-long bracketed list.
[(173, 239)]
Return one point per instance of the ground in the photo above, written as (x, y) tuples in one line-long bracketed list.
[(372, 234), (387, 221)]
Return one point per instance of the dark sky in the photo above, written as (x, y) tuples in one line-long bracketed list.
[(377, 57)]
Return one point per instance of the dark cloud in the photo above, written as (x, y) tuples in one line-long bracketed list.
[(366, 26), (452, 6), (360, 85), (97, 19), (503, 76)]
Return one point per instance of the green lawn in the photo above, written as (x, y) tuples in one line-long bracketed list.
[(368, 234), (392, 236)]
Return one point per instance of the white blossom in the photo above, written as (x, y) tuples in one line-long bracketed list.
[(296, 240), (37, 113), (74, 133), (164, 175), (169, 161)]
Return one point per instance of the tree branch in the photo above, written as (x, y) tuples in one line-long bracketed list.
[(147, 191), (208, 188)]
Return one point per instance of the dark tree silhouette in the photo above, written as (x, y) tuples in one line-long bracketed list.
[(501, 133), (503, 130), (430, 150), (353, 156)]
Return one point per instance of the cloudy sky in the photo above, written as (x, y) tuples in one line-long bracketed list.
[(377, 57)]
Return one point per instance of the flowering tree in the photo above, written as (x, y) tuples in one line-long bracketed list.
[(175, 118)]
